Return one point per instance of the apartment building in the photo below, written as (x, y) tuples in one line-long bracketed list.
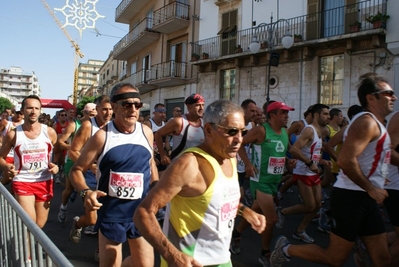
[(158, 48), (111, 72), (335, 41), (17, 83), (88, 77)]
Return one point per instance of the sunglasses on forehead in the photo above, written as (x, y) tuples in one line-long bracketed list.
[(231, 131), (127, 104)]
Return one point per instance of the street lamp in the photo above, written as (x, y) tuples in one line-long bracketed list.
[(287, 42)]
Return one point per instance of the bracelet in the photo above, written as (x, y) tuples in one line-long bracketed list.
[(241, 210), (83, 193), (153, 184)]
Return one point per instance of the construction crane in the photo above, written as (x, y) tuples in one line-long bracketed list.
[(78, 53)]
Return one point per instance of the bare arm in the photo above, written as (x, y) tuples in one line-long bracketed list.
[(80, 139), (69, 130), (170, 127), (362, 131), (305, 139), (176, 179), (154, 171), (254, 136), (53, 168), (8, 143), (333, 142), (295, 127)]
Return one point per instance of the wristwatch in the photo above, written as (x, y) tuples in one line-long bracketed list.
[(241, 210), (310, 163), (83, 193)]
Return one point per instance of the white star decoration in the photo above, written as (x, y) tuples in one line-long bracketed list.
[(82, 15)]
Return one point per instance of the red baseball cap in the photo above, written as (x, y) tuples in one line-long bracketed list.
[(278, 105)]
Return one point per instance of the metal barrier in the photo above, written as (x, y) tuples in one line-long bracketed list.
[(23, 243)]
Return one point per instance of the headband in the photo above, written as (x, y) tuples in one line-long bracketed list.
[(160, 109), (125, 95)]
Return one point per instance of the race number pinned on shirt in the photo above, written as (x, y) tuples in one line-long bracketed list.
[(34, 161), (125, 185), (227, 214), (276, 165)]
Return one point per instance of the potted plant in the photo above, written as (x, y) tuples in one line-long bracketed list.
[(205, 55), (297, 38), (355, 27), (378, 20), (263, 45), (238, 49), (194, 57)]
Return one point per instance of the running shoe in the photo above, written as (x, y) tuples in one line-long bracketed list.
[(360, 255), (235, 245), (89, 230), (277, 258), (324, 225), (62, 215), (73, 196), (302, 236), (279, 196), (76, 233), (265, 260), (281, 218)]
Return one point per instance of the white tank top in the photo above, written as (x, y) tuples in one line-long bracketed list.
[(32, 156), (10, 126), (312, 152), (373, 161), (195, 134), (393, 174), (155, 127)]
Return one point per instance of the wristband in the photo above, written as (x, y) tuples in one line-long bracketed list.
[(83, 193), (241, 210), (310, 163), (153, 184)]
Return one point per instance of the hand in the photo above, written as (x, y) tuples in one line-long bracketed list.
[(250, 170), (291, 163), (93, 168), (90, 200), (165, 160), (53, 168), (183, 260), (378, 194), (257, 221), (11, 172), (314, 168)]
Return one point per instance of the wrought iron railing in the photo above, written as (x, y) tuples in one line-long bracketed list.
[(121, 7), (134, 34), (168, 69), (172, 10), (328, 23)]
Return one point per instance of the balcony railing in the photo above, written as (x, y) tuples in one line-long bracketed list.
[(325, 24), (135, 34), (172, 10), (168, 69)]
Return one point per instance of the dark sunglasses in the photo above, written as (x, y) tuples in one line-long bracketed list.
[(231, 131), (127, 104), (63, 115), (389, 93)]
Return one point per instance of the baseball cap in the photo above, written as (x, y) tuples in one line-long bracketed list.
[(89, 107), (193, 99), (278, 105)]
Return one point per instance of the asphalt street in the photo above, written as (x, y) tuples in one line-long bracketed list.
[(82, 254)]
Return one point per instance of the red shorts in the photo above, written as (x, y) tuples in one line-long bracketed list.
[(43, 191), (307, 180), (10, 160)]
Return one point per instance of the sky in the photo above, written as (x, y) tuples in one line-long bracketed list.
[(31, 39)]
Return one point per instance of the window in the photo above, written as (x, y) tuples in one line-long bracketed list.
[(331, 80), (228, 85), (228, 32)]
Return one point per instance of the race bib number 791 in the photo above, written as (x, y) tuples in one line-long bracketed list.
[(125, 185)]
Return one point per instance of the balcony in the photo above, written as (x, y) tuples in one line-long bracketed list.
[(137, 39), (170, 73), (332, 27), (171, 18), (141, 80), (127, 9)]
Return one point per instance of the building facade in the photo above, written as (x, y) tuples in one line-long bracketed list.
[(88, 77), (18, 84), (175, 48)]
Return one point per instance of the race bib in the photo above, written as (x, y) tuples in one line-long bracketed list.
[(34, 162), (227, 214), (384, 165), (125, 185), (276, 165)]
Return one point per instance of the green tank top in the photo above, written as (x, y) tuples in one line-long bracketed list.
[(269, 156)]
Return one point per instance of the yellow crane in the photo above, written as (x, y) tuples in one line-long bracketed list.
[(78, 53)]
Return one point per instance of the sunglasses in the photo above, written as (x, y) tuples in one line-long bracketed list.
[(127, 104), (63, 115), (389, 93), (177, 110), (231, 131)]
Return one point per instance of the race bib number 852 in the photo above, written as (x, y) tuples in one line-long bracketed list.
[(125, 185)]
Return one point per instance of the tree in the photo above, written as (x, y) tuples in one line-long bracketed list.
[(82, 103), (5, 103)]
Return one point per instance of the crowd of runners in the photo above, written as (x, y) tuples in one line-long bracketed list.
[(190, 185)]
